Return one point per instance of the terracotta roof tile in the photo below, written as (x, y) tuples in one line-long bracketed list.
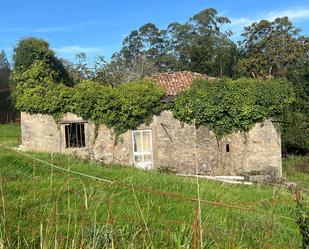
[(176, 82)]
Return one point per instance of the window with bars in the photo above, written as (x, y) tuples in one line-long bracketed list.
[(75, 135)]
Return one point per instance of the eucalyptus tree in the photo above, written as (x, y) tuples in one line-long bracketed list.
[(272, 49), (199, 45)]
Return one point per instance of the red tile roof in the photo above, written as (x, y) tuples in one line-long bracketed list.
[(176, 82)]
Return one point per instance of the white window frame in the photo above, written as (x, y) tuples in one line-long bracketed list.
[(63, 136), (142, 153)]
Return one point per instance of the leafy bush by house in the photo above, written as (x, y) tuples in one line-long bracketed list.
[(227, 105)]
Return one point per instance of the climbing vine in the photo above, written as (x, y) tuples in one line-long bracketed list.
[(120, 108), (222, 105), (227, 105)]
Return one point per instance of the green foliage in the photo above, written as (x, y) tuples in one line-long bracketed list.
[(227, 105), (272, 49), (30, 50), (120, 108), (4, 71), (7, 111), (210, 49), (295, 136), (198, 45), (136, 102), (37, 92), (223, 105)]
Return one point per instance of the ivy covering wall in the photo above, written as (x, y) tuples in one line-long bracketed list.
[(227, 105), (120, 108), (222, 105)]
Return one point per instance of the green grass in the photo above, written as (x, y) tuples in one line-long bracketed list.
[(10, 134), (44, 207), (296, 168)]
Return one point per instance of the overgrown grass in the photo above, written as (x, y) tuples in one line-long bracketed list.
[(42, 207), (296, 168)]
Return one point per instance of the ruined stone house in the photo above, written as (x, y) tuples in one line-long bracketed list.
[(165, 143)]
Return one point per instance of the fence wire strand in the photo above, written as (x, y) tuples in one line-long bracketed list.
[(148, 190)]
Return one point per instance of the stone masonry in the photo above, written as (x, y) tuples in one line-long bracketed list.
[(179, 147)]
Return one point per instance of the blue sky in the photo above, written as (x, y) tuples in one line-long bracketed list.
[(98, 27)]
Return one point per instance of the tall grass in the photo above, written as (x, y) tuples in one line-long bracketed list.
[(42, 207), (296, 168)]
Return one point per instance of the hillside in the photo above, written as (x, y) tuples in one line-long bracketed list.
[(45, 207)]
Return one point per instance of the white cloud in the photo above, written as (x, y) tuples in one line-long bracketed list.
[(78, 49), (294, 14), (12, 29), (242, 21), (53, 29)]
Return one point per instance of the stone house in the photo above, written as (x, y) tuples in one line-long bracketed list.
[(165, 143)]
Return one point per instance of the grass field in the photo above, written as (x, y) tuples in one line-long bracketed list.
[(43, 207), (296, 168)]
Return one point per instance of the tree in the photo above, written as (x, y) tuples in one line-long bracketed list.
[(212, 50), (272, 49), (7, 111), (4, 71), (79, 70), (120, 71), (295, 134), (276, 49), (197, 45), (29, 50)]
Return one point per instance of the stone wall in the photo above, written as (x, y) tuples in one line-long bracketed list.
[(40, 133), (255, 152), (178, 147)]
